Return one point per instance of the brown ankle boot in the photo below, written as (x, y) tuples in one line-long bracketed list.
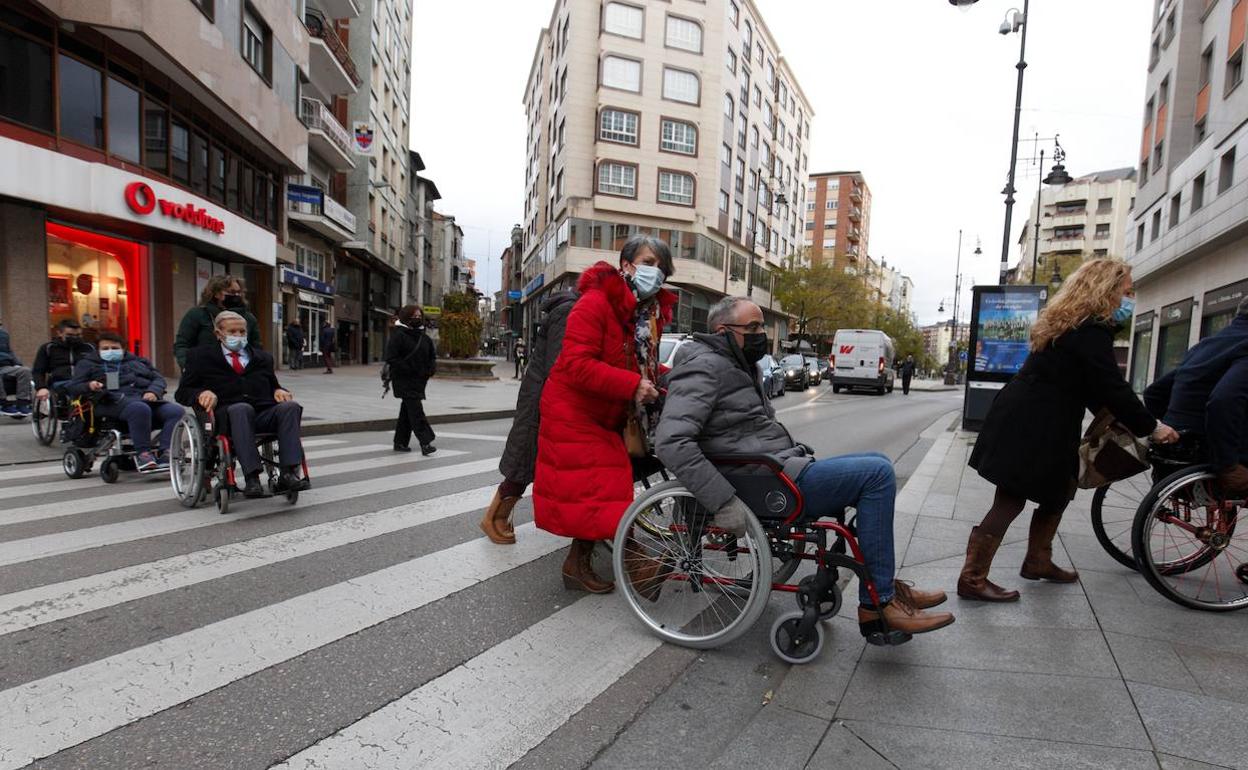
[(645, 573), (1038, 565), (917, 597), (973, 583), (497, 522), (904, 617), (578, 570)]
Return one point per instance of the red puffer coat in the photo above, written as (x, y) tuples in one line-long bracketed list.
[(584, 479)]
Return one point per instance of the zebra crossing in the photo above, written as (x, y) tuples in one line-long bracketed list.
[(189, 615)]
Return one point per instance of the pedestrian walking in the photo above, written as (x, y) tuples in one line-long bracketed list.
[(907, 374), (1029, 444), (584, 478), (521, 354), (520, 452), (222, 292), (412, 359), (295, 342), (329, 346)]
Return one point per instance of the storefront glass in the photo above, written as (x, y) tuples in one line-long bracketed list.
[(1141, 349), (97, 280), (1171, 345)]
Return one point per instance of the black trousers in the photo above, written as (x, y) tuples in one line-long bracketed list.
[(282, 419), (905, 386), (412, 420)]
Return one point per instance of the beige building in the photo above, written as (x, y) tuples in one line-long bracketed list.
[(679, 119), (1188, 243), (889, 287), (1083, 219)]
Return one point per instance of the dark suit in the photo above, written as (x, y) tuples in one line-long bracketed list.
[(907, 373), (413, 360), (247, 401)]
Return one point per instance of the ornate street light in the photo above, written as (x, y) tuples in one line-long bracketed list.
[(1057, 176)]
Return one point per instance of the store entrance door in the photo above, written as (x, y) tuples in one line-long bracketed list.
[(99, 281)]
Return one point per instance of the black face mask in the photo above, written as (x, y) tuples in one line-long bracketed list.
[(755, 346), (233, 302), (74, 342)]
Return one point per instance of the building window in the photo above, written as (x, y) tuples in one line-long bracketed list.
[(832, 205), (180, 152), (729, 107), (732, 62), (680, 86), (723, 201), (684, 34), (1143, 171), (1176, 203), (559, 187), (123, 120), (82, 102), (1235, 70), (1104, 205), (156, 137), (1198, 192), (734, 13), (739, 182), (725, 154), (623, 20), (736, 221), (618, 126), (256, 43), (758, 96), (1159, 156), (754, 137), (1102, 231), (1139, 237), (747, 40), (1226, 172), (621, 73), (205, 7), (679, 136), (1202, 129), (1206, 67), (199, 163), (1156, 226), (617, 179)]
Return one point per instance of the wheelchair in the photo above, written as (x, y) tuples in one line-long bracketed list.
[(92, 438), (714, 585), (48, 413), (201, 461)]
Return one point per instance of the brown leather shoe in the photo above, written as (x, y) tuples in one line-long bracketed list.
[(916, 597), (578, 570), (497, 522), (899, 616), (1038, 565), (973, 583), (645, 573)]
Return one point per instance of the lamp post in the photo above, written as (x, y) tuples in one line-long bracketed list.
[(1014, 22), (1057, 176), (952, 367)]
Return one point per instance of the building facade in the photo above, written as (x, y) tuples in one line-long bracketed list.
[(889, 287), (938, 337), (1188, 241), (141, 153), (1083, 219), (838, 219), (677, 119), (448, 272)]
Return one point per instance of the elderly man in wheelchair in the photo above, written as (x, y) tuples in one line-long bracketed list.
[(716, 409), (236, 382)]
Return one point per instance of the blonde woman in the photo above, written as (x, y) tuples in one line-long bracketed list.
[(1029, 443)]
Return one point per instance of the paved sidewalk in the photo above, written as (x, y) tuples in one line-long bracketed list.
[(1101, 673), (347, 400)]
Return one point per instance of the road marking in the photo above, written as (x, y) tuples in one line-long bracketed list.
[(57, 601), (471, 436), (307, 442), (164, 492), (491, 710), (56, 543), (54, 713)]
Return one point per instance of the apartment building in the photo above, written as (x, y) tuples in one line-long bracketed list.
[(938, 336), (838, 219), (1083, 219), (449, 272), (889, 287), (679, 119), (1188, 240), (141, 153)]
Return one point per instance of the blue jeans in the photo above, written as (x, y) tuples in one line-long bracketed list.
[(139, 416), (866, 482)]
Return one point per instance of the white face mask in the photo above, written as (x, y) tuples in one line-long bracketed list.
[(234, 343), (647, 280)]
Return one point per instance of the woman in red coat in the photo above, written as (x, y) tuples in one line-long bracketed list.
[(608, 365)]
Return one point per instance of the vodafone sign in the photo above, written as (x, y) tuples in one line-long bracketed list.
[(143, 201)]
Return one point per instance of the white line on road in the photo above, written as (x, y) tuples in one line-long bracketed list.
[(54, 713), (474, 436), (43, 546), (45, 604)]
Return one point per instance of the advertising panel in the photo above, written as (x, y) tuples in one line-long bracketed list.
[(1002, 329)]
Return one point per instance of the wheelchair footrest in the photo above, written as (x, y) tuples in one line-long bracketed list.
[(880, 635)]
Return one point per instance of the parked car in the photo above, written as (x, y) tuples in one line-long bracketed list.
[(668, 344), (862, 358), (796, 372), (816, 373), (773, 376)]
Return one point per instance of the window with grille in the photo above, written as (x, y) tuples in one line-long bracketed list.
[(676, 188), (680, 86), (621, 73), (678, 136), (617, 179), (618, 126), (624, 20), (684, 34)]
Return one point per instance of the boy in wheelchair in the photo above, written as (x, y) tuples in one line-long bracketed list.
[(236, 381), (715, 406), (128, 388)]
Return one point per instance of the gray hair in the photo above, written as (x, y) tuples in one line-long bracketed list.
[(227, 315), (724, 311), (657, 245)]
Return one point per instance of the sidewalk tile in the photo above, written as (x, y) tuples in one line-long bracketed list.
[(1170, 762), (1220, 674), (1194, 726), (816, 689), (1019, 649), (756, 745), (1149, 661), (842, 748)]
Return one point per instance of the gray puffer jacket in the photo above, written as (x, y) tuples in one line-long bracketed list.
[(715, 406)]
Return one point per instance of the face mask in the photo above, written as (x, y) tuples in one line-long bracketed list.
[(1124, 311), (647, 281), (234, 343), (73, 342), (755, 346), (112, 356), (233, 301)]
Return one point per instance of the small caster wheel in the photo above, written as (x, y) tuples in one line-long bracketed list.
[(1241, 572), (829, 605), (292, 496), (74, 464), (791, 647), (221, 496), (109, 471)]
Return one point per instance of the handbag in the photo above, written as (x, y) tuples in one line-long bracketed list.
[(634, 437), (1109, 452)]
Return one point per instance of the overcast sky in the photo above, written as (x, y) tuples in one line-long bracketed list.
[(916, 94)]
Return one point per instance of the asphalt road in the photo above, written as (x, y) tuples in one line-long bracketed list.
[(369, 626)]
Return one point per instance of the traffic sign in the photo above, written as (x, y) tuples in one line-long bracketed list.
[(962, 356)]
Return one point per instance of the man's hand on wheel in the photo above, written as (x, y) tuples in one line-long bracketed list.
[(281, 394), (734, 516), (150, 396), (1164, 434), (208, 400)]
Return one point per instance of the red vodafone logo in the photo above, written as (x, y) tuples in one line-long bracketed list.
[(142, 200)]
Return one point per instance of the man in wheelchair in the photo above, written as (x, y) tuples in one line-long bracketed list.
[(236, 381), (12, 371), (716, 406), (55, 361)]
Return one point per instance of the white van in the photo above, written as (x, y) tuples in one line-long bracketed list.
[(862, 358)]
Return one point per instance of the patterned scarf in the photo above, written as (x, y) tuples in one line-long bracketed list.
[(646, 341)]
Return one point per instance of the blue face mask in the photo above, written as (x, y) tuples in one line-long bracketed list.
[(112, 356), (647, 281), (1124, 311), (234, 343)]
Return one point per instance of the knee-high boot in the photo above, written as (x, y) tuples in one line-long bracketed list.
[(973, 583), (1038, 565)]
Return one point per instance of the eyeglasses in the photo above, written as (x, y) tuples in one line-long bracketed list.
[(751, 328)]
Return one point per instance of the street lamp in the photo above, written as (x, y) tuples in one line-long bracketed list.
[(951, 369), (1057, 176), (778, 200)]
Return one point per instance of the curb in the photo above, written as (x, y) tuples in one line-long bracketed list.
[(331, 428)]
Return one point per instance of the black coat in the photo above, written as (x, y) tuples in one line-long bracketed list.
[(329, 339), (412, 359), (208, 369), (198, 328), (294, 337), (907, 370), (519, 459), (55, 361), (1030, 440), (135, 376)]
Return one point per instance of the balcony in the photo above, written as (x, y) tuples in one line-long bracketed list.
[(854, 234), (855, 194), (326, 136), (313, 209), (329, 62), (855, 214), (337, 9)]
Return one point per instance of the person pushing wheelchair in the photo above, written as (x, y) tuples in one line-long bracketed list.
[(239, 379), (716, 406)]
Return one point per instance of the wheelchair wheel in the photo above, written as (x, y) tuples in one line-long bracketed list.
[(792, 646), (704, 588), (1186, 540), (44, 420), (1113, 514), (188, 462), (221, 497), (109, 471), (74, 463)]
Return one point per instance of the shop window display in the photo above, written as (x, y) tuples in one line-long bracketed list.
[(98, 281)]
